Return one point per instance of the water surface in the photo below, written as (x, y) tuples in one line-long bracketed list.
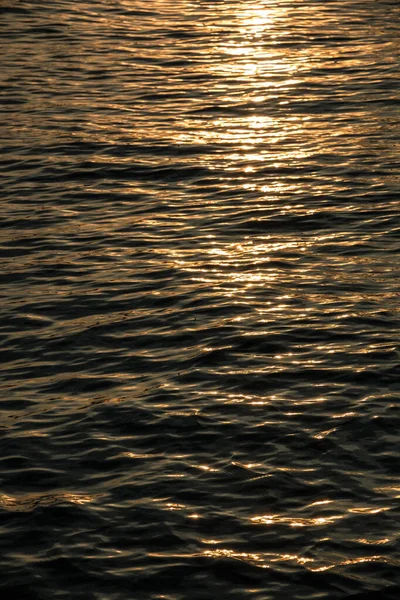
[(200, 299)]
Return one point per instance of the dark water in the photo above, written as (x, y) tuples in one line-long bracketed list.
[(200, 271)]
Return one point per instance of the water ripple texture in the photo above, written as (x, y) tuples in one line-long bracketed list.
[(199, 243)]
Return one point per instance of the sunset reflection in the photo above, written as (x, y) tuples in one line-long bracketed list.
[(200, 298), (296, 522), (268, 560)]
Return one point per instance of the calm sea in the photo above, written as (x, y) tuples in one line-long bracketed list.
[(200, 299)]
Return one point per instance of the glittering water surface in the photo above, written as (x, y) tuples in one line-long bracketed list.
[(200, 299)]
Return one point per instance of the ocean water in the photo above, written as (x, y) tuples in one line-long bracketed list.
[(200, 300)]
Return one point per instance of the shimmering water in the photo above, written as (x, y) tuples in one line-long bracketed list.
[(200, 248)]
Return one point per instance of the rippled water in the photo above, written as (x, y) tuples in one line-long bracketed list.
[(200, 299)]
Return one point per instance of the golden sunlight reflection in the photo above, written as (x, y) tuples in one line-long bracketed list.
[(369, 510), (225, 553), (27, 502), (390, 490), (295, 521), (353, 561), (321, 519), (230, 262), (265, 560), (380, 542), (174, 506), (206, 468), (261, 559), (255, 21), (262, 73)]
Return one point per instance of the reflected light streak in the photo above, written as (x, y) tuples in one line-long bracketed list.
[(296, 522), (353, 561), (27, 502), (390, 490), (262, 560), (372, 542)]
